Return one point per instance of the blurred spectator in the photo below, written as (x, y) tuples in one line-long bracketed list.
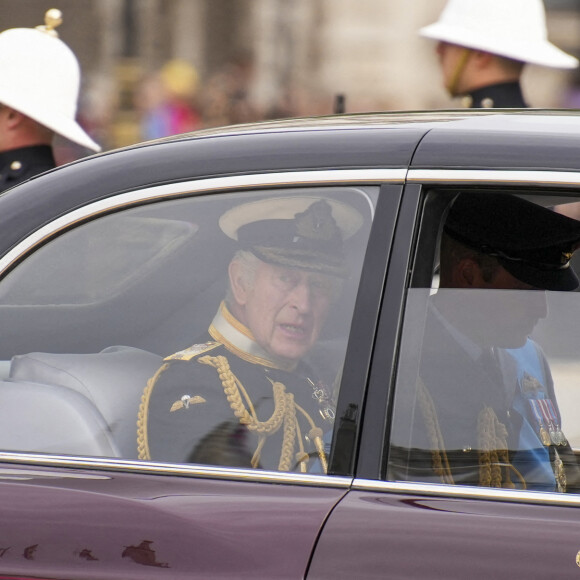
[(167, 100), (226, 97)]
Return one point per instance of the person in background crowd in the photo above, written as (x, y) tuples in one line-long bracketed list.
[(484, 45), (38, 99), (169, 101)]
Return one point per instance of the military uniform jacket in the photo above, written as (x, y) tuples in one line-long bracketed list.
[(18, 165), (215, 403), (468, 411), (498, 96)]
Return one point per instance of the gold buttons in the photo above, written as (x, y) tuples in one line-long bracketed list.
[(15, 165)]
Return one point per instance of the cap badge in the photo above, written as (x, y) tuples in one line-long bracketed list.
[(316, 222)]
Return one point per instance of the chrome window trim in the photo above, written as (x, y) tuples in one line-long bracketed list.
[(469, 176), (114, 202), (466, 492), (182, 470)]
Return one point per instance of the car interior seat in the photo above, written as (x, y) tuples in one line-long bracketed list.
[(102, 389)]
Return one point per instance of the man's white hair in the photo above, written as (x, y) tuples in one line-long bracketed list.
[(249, 266)]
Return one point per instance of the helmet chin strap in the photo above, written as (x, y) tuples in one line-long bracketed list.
[(458, 72)]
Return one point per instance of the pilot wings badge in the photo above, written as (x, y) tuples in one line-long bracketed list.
[(185, 401)]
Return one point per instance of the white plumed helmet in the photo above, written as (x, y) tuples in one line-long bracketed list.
[(514, 29), (40, 78)]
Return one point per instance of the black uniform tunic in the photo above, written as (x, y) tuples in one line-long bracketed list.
[(498, 96), (18, 165), (194, 410)]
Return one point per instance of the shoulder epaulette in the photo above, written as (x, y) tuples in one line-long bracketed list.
[(193, 351)]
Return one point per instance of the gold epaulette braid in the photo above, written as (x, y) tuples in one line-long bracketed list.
[(493, 452), (494, 463), (284, 414), (315, 434), (439, 458), (289, 438), (142, 435)]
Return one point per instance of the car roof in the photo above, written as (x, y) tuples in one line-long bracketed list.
[(466, 139)]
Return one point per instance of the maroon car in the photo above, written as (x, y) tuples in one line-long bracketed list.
[(112, 265)]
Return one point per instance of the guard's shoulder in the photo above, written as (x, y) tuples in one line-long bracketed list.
[(192, 351)]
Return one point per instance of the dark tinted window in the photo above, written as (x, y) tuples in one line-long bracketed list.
[(485, 391)]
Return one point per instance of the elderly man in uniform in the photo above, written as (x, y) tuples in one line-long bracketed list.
[(487, 408), (244, 396), (483, 46), (38, 98)]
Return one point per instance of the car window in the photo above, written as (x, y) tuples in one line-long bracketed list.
[(126, 336), (485, 391)]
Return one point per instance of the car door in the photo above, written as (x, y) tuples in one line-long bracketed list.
[(90, 304), (408, 522)]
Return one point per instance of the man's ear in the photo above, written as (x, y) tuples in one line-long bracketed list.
[(468, 274), (13, 118), (482, 59), (238, 283)]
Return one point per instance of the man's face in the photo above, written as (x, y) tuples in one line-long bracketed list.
[(450, 57), (511, 315), (499, 311), (285, 308)]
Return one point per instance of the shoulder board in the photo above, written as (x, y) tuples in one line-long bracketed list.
[(193, 351)]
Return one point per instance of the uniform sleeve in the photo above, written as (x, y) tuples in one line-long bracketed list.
[(182, 404)]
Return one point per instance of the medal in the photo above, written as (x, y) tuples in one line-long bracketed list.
[(561, 438), (543, 427), (549, 430), (327, 413), (559, 434), (559, 473), (555, 431), (321, 395), (544, 437)]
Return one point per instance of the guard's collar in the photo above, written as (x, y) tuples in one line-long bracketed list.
[(237, 338), (500, 96), (26, 155)]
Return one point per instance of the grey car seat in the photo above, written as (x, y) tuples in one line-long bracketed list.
[(90, 401)]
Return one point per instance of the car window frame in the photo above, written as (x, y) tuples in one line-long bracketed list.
[(11, 257), (424, 181), (352, 414)]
